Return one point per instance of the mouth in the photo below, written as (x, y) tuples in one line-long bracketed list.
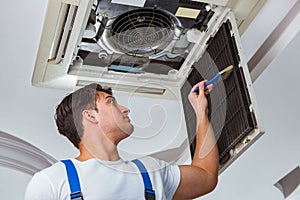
[(127, 118)]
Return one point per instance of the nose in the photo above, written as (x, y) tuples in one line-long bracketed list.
[(124, 109)]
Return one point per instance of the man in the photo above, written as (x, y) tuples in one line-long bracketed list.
[(95, 123)]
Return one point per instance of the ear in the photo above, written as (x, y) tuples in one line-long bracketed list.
[(89, 115)]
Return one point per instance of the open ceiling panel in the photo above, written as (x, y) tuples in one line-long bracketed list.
[(232, 110), (158, 48)]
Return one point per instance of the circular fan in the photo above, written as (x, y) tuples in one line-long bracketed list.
[(142, 31)]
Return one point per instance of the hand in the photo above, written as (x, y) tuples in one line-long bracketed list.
[(198, 100)]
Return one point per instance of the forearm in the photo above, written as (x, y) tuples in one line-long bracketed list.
[(206, 151), (201, 177)]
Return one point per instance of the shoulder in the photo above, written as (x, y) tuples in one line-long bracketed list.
[(43, 183), (50, 172)]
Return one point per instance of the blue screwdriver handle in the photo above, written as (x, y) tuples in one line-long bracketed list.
[(214, 80)]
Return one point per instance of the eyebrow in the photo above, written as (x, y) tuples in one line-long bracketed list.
[(110, 96)]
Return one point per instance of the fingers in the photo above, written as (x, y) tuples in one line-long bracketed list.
[(197, 87), (200, 88), (208, 88)]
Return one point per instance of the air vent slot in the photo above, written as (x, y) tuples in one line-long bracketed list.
[(145, 89), (64, 26)]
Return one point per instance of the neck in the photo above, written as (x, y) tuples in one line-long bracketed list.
[(101, 148)]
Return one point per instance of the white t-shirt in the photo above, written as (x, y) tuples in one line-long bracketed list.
[(105, 180)]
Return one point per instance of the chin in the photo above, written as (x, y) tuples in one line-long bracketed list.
[(127, 130), (130, 130)]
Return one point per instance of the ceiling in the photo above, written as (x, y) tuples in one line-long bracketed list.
[(27, 112)]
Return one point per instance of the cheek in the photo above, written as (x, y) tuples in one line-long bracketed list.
[(109, 117), (116, 112), (106, 118)]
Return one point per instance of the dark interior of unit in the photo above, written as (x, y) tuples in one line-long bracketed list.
[(134, 64), (139, 36), (229, 100)]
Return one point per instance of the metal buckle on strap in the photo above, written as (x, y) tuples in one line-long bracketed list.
[(149, 194), (77, 195)]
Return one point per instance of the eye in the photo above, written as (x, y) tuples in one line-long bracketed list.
[(113, 100)]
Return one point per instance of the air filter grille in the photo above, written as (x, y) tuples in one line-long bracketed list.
[(229, 111)]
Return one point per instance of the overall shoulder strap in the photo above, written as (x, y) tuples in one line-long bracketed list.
[(149, 192), (73, 180)]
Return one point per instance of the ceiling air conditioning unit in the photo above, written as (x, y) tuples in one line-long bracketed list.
[(158, 48)]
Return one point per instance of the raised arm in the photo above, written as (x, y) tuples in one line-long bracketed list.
[(201, 176)]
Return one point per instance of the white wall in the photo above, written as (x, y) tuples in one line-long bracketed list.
[(26, 111)]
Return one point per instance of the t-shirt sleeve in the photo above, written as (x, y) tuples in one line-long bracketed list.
[(39, 188), (171, 178)]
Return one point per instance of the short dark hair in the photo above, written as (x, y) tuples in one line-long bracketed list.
[(68, 115)]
